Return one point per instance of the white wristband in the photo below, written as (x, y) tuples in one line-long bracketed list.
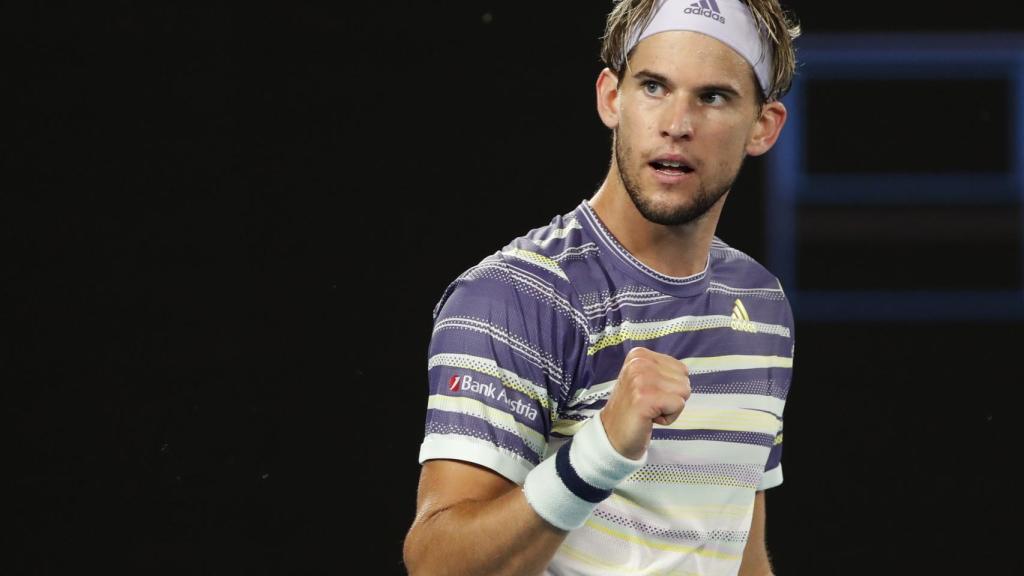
[(566, 487)]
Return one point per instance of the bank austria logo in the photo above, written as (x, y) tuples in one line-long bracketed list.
[(465, 383), (707, 8)]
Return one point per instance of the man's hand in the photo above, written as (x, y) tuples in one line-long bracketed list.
[(652, 388)]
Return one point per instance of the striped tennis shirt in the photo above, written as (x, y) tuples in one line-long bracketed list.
[(527, 346)]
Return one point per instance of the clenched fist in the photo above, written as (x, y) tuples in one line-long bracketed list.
[(652, 389)]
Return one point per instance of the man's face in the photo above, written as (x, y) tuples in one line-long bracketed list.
[(686, 113)]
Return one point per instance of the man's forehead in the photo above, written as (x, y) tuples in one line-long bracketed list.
[(727, 21), (691, 53)]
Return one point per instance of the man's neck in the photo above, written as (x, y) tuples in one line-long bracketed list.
[(671, 250)]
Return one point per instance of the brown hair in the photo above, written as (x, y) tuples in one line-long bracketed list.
[(777, 25)]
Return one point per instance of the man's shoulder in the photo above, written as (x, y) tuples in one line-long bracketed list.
[(734, 274), (544, 253), (734, 268), (541, 264), (550, 251)]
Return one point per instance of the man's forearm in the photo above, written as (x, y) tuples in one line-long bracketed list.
[(503, 536), (760, 569), (755, 555), (756, 563)]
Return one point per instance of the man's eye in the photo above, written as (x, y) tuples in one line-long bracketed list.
[(714, 98), (651, 87)]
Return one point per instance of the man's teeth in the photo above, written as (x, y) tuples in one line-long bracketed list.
[(671, 165)]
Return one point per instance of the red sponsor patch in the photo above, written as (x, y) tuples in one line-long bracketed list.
[(453, 384)]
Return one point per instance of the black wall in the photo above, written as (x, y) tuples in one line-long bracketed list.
[(228, 225)]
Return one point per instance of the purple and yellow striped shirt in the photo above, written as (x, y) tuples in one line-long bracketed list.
[(527, 346)]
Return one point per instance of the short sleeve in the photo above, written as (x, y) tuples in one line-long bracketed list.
[(499, 363), (773, 468)]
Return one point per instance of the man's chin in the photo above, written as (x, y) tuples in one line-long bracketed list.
[(673, 213)]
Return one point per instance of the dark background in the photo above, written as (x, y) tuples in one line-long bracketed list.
[(228, 225)]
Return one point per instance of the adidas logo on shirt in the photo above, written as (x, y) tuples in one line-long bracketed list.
[(740, 318), (708, 8)]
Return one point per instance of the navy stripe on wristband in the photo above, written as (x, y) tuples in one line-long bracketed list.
[(572, 480)]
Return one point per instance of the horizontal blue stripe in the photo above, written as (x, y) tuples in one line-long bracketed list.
[(776, 388), (441, 422), (752, 438)]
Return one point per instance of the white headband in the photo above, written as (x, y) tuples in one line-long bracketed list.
[(728, 21)]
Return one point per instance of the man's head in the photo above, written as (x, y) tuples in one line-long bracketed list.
[(688, 102), (777, 30)]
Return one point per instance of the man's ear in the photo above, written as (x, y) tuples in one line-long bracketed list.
[(767, 129), (608, 98)]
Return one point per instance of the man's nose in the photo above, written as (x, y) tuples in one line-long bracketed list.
[(678, 123)]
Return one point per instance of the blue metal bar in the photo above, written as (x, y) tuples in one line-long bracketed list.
[(1018, 150), (785, 168), (993, 56), (907, 69), (916, 306), (884, 188), (986, 45)]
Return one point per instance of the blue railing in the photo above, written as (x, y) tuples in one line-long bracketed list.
[(791, 185)]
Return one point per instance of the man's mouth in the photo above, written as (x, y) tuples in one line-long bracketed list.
[(671, 167)]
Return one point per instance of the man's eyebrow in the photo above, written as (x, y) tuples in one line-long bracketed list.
[(645, 74), (724, 88)]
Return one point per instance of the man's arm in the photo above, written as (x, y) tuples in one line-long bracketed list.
[(755, 555), (470, 520)]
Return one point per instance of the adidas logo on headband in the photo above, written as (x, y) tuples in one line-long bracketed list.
[(708, 17), (708, 8)]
